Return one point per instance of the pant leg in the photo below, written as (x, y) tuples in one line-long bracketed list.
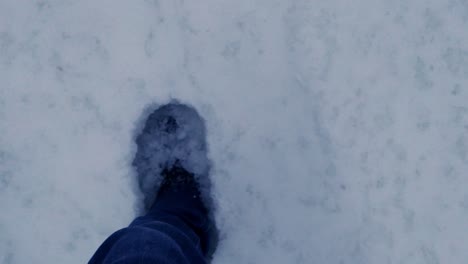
[(158, 237)]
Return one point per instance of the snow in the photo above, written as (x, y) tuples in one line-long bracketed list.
[(338, 130)]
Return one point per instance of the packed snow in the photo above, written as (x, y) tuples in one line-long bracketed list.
[(337, 130)]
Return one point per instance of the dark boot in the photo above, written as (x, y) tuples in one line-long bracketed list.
[(173, 170)]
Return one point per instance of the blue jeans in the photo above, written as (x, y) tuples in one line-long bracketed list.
[(175, 230)]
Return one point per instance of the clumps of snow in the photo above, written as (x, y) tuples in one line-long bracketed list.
[(167, 134)]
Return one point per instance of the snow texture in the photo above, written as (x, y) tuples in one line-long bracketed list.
[(337, 130)]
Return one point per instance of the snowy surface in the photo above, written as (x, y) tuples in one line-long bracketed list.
[(338, 130)]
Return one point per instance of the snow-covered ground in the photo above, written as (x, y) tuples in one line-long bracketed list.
[(338, 130)]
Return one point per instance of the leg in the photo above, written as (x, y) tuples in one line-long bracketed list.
[(178, 227), (161, 238)]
